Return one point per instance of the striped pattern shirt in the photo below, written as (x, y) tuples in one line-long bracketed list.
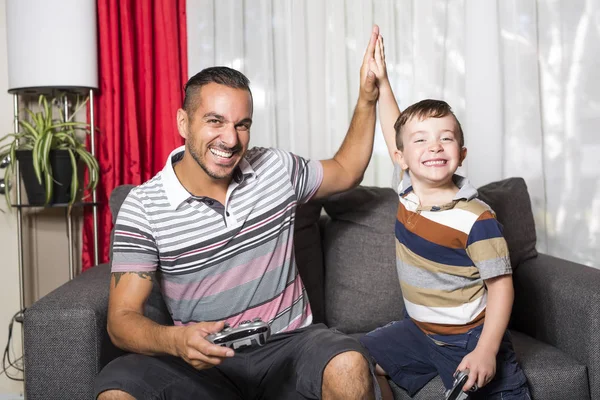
[(443, 256), (231, 262)]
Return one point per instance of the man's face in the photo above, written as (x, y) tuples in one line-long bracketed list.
[(218, 132), (432, 152)]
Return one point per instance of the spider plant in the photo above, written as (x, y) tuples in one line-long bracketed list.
[(40, 134)]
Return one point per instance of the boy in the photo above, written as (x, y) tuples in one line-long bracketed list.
[(452, 262)]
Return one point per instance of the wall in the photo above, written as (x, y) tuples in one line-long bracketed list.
[(45, 241), (9, 284)]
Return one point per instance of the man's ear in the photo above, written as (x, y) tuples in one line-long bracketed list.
[(463, 155), (399, 159), (183, 123)]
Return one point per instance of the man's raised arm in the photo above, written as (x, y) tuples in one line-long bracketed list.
[(346, 169)]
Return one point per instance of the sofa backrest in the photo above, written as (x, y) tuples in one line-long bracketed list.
[(361, 283)]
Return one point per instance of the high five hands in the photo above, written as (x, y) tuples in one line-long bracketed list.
[(373, 70)]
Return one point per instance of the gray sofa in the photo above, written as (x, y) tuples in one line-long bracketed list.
[(346, 258)]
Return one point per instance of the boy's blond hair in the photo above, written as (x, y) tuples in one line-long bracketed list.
[(426, 109)]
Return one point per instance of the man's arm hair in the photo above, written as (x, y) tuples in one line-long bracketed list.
[(128, 328), (346, 169)]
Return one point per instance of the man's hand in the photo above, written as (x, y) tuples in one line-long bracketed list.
[(196, 350), (482, 368), (368, 87)]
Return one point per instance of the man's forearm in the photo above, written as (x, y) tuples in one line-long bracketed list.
[(497, 314), (133, 332), (356, 149)]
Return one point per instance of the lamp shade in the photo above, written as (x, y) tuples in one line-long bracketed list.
[(52, 44)]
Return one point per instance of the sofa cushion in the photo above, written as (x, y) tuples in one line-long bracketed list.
[(510, 200), (361, 284), (309, 256), (117, 197)]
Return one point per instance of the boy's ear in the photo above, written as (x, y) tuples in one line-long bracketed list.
[(463, 155), (399, 159)]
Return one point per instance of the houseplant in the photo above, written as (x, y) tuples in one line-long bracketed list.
[(50, 152)]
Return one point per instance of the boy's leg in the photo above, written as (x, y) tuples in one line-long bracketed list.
[(400, 348), (508, 383), (146, 377), (384, 385), (313, 363)]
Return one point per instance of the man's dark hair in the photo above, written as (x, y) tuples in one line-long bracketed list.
[(426, 109), (221, 75)]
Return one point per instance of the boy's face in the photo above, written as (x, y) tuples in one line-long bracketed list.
[(432, 152)]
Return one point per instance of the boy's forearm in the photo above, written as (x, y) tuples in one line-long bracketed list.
[(497, 314), (388, 114)]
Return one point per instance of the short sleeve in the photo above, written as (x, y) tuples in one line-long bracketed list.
[(487, 247), (397, 178), (305, 175), (134, 247)]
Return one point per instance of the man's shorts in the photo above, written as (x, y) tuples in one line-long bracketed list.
[(289, 366), (412, 358)]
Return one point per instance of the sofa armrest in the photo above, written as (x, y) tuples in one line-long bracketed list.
[(66, 342), (557, 302)]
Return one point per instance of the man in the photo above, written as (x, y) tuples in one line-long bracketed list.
[(215, 229)]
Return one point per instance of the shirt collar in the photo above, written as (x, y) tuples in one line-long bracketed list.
[(177, 193), (466, 191)]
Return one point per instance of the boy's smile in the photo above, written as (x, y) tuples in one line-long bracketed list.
[(431, 151)]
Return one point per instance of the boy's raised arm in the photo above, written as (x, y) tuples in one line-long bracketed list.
[(388, 107)]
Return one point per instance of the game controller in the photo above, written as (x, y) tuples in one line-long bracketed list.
[(456, 393), (247, 333)]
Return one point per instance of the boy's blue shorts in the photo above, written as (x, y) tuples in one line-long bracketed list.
[(412, 358)]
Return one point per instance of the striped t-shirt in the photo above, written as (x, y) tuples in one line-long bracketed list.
[(443, 256), (232, 261)]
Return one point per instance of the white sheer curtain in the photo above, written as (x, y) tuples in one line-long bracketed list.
[(522, 76)]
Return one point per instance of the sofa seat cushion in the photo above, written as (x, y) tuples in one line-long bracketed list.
[(552, 374)]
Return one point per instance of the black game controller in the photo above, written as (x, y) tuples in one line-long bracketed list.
[(456, 393), (247, 333)]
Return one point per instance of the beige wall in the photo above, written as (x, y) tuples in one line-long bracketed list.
[(45, 250), (9, 284)]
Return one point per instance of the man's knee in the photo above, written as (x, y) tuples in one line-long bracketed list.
[(348, 362), (349, 373), (115, 395)]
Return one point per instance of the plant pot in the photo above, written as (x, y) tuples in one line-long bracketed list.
[(62, 172)]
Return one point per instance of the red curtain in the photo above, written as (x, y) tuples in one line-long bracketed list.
[(142, 70)]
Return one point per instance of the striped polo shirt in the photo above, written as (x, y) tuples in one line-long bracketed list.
[(232, 261), (444, 254)]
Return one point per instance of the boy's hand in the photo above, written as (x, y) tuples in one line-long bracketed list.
[(379, 67), (482, 368)]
